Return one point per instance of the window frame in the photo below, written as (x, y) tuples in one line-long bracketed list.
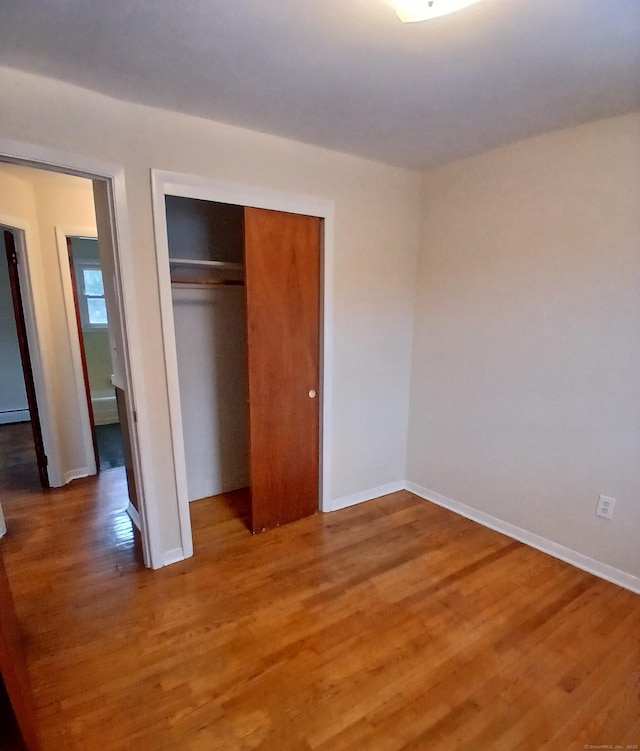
[(80, 265)]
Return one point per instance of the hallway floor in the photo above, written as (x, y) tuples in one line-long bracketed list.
[(18, 468)]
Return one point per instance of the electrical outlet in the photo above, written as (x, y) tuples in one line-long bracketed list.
[(605, 507)]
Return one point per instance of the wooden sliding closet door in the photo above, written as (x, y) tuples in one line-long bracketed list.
[(282, 276)]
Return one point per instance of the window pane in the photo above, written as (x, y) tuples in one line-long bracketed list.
[(93, 282), (97, 311)]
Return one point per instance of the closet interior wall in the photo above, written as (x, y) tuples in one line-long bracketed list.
[(210, 317)]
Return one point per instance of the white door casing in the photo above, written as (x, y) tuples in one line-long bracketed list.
[(130, 351)]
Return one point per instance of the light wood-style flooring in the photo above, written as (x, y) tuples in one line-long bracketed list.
[(390, 625)]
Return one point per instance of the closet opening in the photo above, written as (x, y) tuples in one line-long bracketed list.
[(206, 260), (245, 315)]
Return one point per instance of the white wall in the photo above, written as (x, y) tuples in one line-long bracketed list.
[(525, 402), (41, 202), (211, 344), (376, 238)]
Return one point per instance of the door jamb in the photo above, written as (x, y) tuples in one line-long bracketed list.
[(165, 183), (78, 370), (133, 374)]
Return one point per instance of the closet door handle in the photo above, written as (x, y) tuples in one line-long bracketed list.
[(312, 394)]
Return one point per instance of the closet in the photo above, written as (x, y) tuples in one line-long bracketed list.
[(246, 309)]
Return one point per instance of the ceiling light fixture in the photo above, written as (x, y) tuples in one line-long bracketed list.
[(410, 11)]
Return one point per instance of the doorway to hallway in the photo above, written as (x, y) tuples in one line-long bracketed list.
[(42, 202)]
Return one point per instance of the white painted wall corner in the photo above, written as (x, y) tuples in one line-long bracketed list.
[(78, 474)]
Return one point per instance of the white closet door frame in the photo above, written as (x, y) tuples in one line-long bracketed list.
[(165, 183)]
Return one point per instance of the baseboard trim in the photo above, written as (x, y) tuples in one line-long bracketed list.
[(105, 409), (365, 495), (14, 415), (134, 515), (583, 562), (76, 474), (106, 420), (173, 556), (228, 487)]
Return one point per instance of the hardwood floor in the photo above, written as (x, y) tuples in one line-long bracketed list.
[(391, 625), (18, 465)]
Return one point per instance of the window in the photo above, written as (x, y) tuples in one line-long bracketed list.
[(93, 309)]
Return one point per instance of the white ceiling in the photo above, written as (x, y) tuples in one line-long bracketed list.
[(345, 74)]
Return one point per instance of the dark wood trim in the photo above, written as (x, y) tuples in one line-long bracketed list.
[(25, 356)]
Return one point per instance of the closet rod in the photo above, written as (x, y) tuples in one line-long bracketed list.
[(208, 264), (216, 283)]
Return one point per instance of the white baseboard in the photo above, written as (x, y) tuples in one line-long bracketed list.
[(14, 415), (173, 556), (108, 420), (602, 570), (76, 474), (105, 410), (134, 515), (366, 495)]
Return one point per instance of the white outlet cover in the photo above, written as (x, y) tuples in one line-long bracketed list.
[(605, 507)]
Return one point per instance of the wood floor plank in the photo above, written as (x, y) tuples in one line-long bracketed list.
[(391, 625)]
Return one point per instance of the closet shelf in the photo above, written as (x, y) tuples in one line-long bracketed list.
[(222, 265), (192, 284)]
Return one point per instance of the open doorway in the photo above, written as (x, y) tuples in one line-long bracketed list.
[(93, 336), (24, 462), (43, 202)]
